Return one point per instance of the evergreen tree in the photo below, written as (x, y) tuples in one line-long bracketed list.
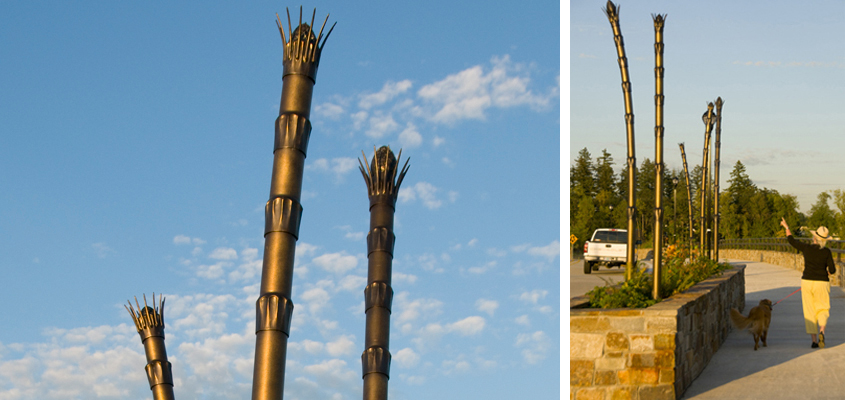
[(821, 214), (839, 201)]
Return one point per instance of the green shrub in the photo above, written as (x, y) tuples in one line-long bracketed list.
[(679, 274)]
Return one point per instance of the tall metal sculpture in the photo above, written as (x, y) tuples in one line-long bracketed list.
[(282, 214), (383, 184), (689, 197), (612, 12), (659, 20), (708, 119), (717, 215), (149, 321)]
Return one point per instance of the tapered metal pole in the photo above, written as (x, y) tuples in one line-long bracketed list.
[(717, 215), (612, 12), (689, 197), (383, 184), (708, 119), (659, 21), (149, 321), (282, 214)]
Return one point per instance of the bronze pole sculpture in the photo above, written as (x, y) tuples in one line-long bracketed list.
[(689, 196), (708, 119), (379, 175), (149, 321), (301, 57), (612, 12), (717, 215), (659, 20)]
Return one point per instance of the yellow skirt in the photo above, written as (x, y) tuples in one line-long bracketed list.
[(815, 295)]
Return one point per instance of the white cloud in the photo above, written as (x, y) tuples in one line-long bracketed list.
[(437, 141), (535, 346), (353, 283), (358, 119), (468, 326), (472, 242), (424, 191), (469, 93), (388, 92), (249, 268), (410, 137), (342, 346), (522, 320), (549, 251), (407, 278), (338, 263), (315, 300), (181, 239), (339, 166), (482, 269), (102, 250), (533, 296), (329, 110), (223, 253), (415, 310), (332, 374), (488, 306), (381, 125), (212, 271), (406, 358)]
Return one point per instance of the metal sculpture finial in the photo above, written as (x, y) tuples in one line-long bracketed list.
[(302, 46), (612, 11), (147, 317), (380, 172)]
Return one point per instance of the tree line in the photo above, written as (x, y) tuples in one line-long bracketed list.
[(598, 199)]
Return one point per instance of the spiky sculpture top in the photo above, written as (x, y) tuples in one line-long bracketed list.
[(149, 321), (380, 174), (302, 52)]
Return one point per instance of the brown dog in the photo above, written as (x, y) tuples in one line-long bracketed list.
[(757, 322)]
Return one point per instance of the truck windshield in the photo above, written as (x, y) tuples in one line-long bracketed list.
[(611, 237)]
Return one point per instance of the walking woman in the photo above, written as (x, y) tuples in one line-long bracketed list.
[(815, 283)]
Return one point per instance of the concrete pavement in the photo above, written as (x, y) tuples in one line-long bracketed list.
[(788, 368)]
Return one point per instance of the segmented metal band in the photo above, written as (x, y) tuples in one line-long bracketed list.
[(159, 373), (380, 239), (282, 214), (376, 359), (378, 294), (273, 313), (151, 331), (292, 131)]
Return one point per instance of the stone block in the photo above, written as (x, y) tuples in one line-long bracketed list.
[(613, 354), (667, 376), (616, 341), (661, 324), (628, 324), (641, 343), (589, 324), (659, 392), (593, 393), (614, 364), (581, 372), (638, 376), (586, 345), (664, 359), (605, 378), (621, 393), (641, 360), (664, 341)]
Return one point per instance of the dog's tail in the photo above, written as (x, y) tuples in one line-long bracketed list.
[(739, 321)]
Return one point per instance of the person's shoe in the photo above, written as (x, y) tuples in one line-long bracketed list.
[(821, 340), (814, 345)]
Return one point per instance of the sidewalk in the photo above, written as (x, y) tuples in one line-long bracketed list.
[(788, 368)]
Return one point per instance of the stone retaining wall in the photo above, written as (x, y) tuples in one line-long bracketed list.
[(652, 353), (784, 259)]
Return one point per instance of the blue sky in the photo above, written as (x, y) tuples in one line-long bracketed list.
[(136, 154), (779, 66)]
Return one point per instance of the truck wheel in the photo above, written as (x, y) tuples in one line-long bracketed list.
[(588, 267)]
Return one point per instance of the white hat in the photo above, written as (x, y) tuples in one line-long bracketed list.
[(822, 235)]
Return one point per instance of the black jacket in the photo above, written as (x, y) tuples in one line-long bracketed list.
[(816, 260)]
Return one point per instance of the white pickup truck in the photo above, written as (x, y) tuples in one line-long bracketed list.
[(607, 246)]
